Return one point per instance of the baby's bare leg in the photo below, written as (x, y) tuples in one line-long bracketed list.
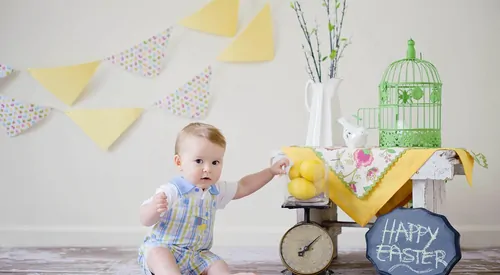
[(221, 268), (161, 262)]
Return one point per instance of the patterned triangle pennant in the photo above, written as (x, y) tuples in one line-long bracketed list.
[(5, 70), (192, 99), (16, 117), (144, 58)]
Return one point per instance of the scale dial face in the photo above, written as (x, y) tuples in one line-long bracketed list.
[(299, 258)]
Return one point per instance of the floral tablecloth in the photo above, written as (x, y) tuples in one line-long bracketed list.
[(360, 169)]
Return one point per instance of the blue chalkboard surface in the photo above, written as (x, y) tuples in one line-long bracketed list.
[(413, 241)]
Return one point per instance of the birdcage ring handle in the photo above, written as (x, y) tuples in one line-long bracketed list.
[(306, 94)]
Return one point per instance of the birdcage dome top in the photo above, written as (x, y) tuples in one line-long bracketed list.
[(411, 70)]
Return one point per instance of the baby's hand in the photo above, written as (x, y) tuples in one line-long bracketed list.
[(279, 167), (160, 201)]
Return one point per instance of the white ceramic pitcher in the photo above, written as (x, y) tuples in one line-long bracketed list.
[(318, 100)]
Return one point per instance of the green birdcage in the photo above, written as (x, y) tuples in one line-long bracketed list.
[(409, 111)]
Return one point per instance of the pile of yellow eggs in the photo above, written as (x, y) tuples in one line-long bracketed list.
[(307, 179)]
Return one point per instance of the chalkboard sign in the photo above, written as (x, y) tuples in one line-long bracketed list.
[(413, 241)]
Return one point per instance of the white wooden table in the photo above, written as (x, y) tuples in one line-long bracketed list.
[(429, 189)]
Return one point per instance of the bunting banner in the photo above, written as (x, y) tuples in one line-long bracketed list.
[(255, 43), (66, 83), (144, 58), (5, 70), (17, 117), (219, 17), (190, 100), (105, 126)]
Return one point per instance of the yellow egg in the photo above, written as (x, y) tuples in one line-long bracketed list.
[(312, 170), (301, 189), (294, 171)]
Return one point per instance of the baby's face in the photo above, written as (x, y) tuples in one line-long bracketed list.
[(201, 161)]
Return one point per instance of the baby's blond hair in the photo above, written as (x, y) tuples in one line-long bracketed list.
[(203, 130)]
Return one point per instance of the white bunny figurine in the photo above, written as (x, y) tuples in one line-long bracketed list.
[(354, 136)]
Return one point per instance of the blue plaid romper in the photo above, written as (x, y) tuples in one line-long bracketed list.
[(186, 228)]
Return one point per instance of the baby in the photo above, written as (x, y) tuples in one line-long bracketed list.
[(182, 212)]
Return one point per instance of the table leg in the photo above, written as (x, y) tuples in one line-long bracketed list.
[(429, 194)]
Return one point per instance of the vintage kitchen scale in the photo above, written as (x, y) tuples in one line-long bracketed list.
[(307, 248)]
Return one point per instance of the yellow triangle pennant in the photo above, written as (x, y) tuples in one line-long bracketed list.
[(255, 43), (66, 83), (105, 126), (219, 17)]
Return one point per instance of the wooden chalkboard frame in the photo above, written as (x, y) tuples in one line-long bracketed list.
[(458, 250)]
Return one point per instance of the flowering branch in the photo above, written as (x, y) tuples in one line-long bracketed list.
[(336, 42), (307, 34)]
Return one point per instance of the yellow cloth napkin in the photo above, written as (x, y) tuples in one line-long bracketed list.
[(393, 190)]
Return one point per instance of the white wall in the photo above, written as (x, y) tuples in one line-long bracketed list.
[(58, 188)]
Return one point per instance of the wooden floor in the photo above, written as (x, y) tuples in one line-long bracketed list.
[(263, 261)]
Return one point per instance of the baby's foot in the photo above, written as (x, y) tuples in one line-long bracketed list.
[(245, 273)]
